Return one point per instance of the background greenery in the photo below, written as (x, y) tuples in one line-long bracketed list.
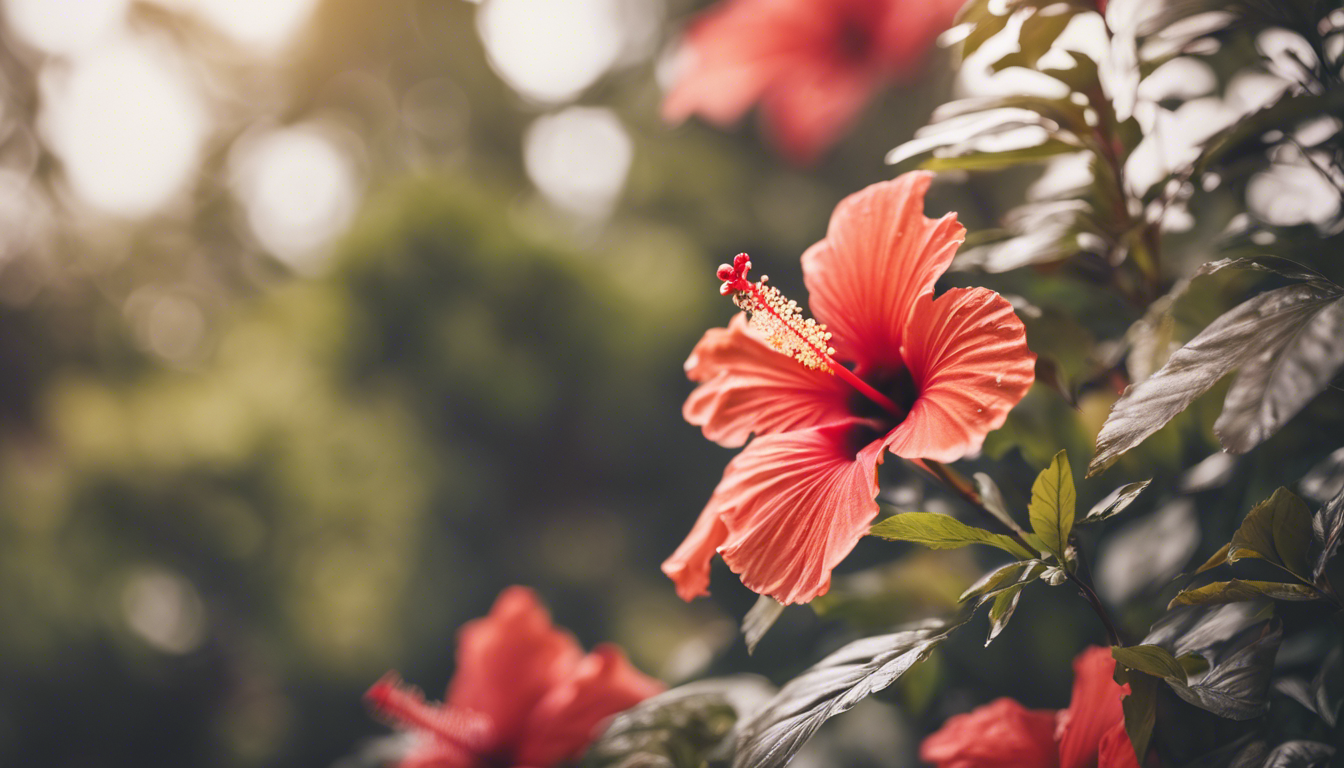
[(208, 550)]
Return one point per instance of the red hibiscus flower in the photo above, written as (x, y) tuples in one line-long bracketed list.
[(812, 64), (524, 693), (890, 368), (1002, 734)]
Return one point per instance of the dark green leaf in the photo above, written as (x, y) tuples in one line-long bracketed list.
[(1140, 708), (775, 734), (1115, 502), (1237, 590), (1053, 502), (1037, 34), (1236, 685), (1300, 754), (1271, 320), (942, 532), (760, 619), (678, 728), (1150, 659), (1328, 528), (1278, 530), (1284, 375), (984, 25), (1218, 558), (973, 160)]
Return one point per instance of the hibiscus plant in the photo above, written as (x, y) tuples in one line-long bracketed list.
[(1212, 587)]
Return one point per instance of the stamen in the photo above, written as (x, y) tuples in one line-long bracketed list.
[(782, 323), (403, 705), (779, 320)]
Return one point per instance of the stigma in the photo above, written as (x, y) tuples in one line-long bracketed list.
[(780, 320)]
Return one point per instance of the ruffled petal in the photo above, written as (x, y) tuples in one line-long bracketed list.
[(879, 255), (688, 567), (1093, 710), (567, 719), (507, 661), (967, 353), (794, 504), (1001, 734), (1116, 750), (746, 386), (734, 52)]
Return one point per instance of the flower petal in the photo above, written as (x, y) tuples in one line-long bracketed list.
[(1093, 710), (746, 386), (734, 52), (508, 660), (967, 352), (879, 255), (794, 504), (568, 718), (1001, 734), (688, 567)]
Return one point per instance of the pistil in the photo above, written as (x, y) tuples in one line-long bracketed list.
[(782, 323), (464, 729)]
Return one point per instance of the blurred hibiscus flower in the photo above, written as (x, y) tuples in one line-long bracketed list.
[(1004, 734), (889, 368), (812, 64), (524, 694)]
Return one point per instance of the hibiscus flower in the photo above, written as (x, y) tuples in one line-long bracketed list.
[(889, 368), (524, 694), (1004, 734), (812, 64)]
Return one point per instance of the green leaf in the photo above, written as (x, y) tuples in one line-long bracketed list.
[(1218, 558), (1150, 659), (992, 500), (1240, 338), (942, 532), (1237, 590), (1053, 502), (772, 736), (1115, 502), (989, 161), (1328, 528), (677, 728), (985, 24), (759, 620), (1038, 33), (1277, 530), (1140, 708), (1005, 602), (1019, 572)]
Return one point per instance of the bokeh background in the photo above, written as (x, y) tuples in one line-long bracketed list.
[(321, 321)]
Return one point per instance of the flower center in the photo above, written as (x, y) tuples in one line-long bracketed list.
[(785, 328)]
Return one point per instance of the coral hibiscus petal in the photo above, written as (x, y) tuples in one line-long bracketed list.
[(794, 504), (967, 352), (1001, 734), (879, 255), (688, 567), (508, 660), (1093, 710), (734, 52), (567, 719), (746, 386)]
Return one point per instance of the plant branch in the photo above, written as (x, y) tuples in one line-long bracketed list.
[(955, 482)]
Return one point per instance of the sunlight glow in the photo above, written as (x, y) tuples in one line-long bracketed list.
[(266, 25), (579, 158), (64, 26), (299, 188), (128, 125), (550, 50)]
